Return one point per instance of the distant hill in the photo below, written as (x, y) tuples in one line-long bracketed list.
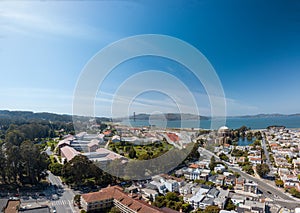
[(266, 115), (27, 116), (168, 116)]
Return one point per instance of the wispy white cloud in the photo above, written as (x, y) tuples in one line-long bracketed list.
[(23, 21)]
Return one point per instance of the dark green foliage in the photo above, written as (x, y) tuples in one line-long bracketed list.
[(224, 157), (56, 168), (258, 135), (209, 209), (236, 174), (172, 201), (229, 205), (238, 153), (114, 210), (248, 168), (52, 147), (160, 201), (279, 183), (132, 153), (249, 136), (77, 199), (294, 192), (256, 143), (21, 160), (194, 154), (262, 169), (212, 163), (80, 171)]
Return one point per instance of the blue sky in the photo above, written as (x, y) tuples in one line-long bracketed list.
[(254, 47)]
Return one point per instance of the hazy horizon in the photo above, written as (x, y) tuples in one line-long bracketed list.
[(137, 113)]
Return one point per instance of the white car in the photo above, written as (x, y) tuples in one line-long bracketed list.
[(55, 197)]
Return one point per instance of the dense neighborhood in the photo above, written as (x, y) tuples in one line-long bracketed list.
[(227, 170)]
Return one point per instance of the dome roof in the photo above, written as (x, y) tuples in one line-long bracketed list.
[(223, 129)]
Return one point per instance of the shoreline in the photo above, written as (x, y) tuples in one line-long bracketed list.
[(186, 124)]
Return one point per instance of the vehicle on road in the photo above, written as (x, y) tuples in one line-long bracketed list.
[(55, 197)]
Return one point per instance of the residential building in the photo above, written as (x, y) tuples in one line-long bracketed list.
[(238, 199), (213, 193), (221, 199), (196, 199), (93, 145), (251, 187), (103, 156), (68, 153), (159, 186), (206, 201), (255, 160), (114, 196), (239, 183), (219, 168), (172, 185), (186, 189), (149, 194), (252, 206)]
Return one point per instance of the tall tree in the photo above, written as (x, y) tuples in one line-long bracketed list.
[(33, 161), (80, 170), (212, 163), (3, 166), (262, 169)]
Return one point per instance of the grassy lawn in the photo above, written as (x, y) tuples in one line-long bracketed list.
[(52, 158), (51, 141), (143, 152)]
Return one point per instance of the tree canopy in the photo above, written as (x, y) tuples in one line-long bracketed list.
[(262, 169), (80, 171)]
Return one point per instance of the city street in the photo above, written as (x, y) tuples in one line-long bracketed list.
[(63, 203), (269, 191), (263, 143)]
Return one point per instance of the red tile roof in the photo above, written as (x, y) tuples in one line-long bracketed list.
[(254, 158), (116, 192), (194, 166), (107, 132), (173, 137)]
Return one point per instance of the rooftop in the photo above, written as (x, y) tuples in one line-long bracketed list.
[(12, 206), (116, 193), (68, 152)]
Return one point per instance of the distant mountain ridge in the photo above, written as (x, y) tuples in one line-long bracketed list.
[(23, 116), (266, 115), (169, 116), (29, 115)]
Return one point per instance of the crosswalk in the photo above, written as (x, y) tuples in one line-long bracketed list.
[(61, 203)]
